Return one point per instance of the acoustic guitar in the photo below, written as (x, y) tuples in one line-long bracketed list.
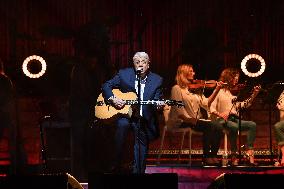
[(106, 111)]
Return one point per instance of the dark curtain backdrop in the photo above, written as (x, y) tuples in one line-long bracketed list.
[(210, 35)]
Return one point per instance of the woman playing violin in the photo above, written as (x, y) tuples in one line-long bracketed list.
[(224, 106), (190, 115)]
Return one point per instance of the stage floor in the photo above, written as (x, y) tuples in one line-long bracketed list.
[(193, 177), (201, 177)]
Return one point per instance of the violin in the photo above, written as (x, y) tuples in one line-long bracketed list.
[(237, 88), (200, 84)]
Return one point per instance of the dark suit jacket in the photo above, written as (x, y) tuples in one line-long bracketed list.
[(125, 81)]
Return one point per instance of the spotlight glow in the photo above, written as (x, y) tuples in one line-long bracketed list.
[(244, 65), (28, 60)]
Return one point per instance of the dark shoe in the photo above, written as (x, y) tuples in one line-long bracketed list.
[(249, 160), (208, 161), (216, 161), (234, 160), (251, 164)]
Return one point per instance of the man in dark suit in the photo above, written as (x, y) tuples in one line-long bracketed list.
[(150, 89)]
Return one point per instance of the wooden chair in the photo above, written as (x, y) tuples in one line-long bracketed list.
[(183, 132), (225, 153)]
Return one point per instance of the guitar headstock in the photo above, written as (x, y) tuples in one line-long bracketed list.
[(174, 103)]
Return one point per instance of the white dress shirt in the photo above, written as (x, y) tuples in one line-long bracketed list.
[(223, 103), (143, 82)]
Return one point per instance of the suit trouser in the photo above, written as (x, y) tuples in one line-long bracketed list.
[(141, 144)]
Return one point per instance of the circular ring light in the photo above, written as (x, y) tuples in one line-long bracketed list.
[(28, 60), (244, 65)]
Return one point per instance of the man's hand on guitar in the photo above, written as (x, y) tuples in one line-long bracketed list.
[(117, 102)]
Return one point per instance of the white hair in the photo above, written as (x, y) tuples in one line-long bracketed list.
[(141, 55)]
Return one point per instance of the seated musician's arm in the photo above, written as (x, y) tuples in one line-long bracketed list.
[(212, 97), (176, 94), (248, 102), (213, 109)]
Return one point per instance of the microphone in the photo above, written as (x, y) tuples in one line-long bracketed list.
[(139, 70)]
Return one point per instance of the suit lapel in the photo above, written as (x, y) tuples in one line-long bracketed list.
[(147, 86), (132, 79)]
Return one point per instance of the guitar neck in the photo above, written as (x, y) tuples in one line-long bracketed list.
[(148, 102), (144, 102)]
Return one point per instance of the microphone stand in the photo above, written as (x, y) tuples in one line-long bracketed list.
[(139, 121)]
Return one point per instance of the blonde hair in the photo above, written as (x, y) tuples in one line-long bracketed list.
[(181, 76)]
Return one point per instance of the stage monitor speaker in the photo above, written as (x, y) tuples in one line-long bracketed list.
[(34, 182), (131, 181), (247, 181)]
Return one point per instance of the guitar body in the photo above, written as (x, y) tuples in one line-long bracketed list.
[(104, 111)]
